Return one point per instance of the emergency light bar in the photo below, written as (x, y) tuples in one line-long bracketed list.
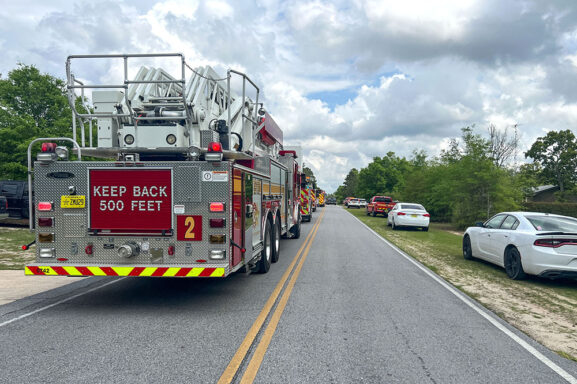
[(214, 152)]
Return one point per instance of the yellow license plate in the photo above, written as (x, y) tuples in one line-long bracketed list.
[(414, 215), (76, 201)]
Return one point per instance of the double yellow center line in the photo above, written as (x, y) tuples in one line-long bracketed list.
[(262, 346)]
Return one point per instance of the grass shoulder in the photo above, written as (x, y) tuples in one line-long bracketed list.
[(11, 254)]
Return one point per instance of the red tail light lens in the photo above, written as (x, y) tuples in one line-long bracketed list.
[(554, 243), (401, 214), (88, 250), (214, 147), (45, 221), (45, 206), (216, 223), (426, 215), (48, 147), (217, 207), (170, 250)]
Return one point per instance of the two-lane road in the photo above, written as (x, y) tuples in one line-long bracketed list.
[(341, 306)]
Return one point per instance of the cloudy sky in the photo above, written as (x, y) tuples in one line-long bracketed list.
[(347, 80)]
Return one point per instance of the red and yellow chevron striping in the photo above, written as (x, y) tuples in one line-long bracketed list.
[(123, 271)]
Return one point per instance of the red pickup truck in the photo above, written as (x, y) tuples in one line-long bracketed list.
[(380, 205)]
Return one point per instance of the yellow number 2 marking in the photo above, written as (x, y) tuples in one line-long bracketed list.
[(189, 222)]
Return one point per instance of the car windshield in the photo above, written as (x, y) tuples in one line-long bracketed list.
[(413, 206), (383, 200), (553, 223)]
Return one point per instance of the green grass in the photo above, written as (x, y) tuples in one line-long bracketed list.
[(11, 254)]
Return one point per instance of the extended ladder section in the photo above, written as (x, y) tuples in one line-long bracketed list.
[(158, 111)]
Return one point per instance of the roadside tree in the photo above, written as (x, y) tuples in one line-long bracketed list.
[(556, 156)]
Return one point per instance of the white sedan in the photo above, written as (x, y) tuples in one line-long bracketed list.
[(526, 243), (409, 215)]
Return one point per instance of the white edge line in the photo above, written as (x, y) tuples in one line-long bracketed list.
[(59, 302), (465, 299)]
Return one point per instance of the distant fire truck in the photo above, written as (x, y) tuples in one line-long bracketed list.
[(307, 201), (321, 197), (194, 183)]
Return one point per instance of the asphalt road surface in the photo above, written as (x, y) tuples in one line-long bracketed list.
[(340, 306)]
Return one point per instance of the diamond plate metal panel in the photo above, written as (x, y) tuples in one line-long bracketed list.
[(191, 191), (73, 225), (207, 137)]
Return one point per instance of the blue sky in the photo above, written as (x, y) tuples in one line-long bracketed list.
[(346, 80)]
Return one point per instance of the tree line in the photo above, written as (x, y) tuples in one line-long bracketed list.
[(474, 178), (469, 181)]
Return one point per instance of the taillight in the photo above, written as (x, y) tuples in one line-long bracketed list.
[(170, 250), (89, 249), (401, 214), (554, 243), (217, 239), (45, 206), (213, 152), (45, 237), (45, 221), (217, 207), (216, 223), (214, 147), (426, 215), (48, 147)]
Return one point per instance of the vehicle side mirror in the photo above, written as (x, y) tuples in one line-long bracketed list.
[(479, 224)]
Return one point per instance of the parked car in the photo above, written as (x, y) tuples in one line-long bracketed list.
[(346, 201), (409, 215), (331, 200), (362, 203), (3, 207), (353, 203), (380, 205), (524, 243)]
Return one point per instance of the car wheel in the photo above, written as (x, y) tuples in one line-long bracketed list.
[(426, 229), (467, 250), (266, 253), (513, 265), (394, 226), (374, 214), (368, 213), (276, 242)]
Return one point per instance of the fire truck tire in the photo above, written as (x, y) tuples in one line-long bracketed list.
[(276, 241), (265, 258), (296, 230)]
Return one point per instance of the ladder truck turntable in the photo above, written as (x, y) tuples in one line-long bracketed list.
[(192, 181)]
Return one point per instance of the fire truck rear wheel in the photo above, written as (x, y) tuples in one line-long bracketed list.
[(266, 255), (276, 241), (297, 230)]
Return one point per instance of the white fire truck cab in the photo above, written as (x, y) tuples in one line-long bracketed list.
[(186, 180)]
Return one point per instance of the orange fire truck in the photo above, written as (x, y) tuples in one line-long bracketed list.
[(193, 180)]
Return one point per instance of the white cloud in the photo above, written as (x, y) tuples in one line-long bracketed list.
[(409, 74)]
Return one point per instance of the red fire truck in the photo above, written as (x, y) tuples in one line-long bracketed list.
[(192, 180)]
